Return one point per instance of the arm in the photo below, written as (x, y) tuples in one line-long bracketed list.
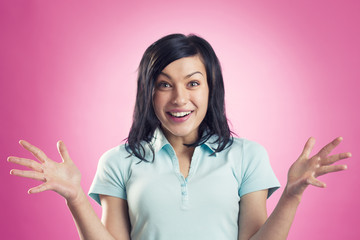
[(87, 222), (302, 173), (64, 178), (115, 216), (252, 214), (253, 222)]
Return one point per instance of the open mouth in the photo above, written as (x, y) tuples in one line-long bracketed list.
[(179, 114)]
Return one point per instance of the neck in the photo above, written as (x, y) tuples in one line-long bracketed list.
[(178, 143)]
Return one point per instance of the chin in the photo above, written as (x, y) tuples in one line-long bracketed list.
[(178, 132)]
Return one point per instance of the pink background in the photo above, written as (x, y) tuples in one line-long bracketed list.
[(68, 71)]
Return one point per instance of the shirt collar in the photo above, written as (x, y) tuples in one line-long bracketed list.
[(211, 144), (159, 141)]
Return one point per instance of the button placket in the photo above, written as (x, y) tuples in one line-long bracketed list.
[(183, 181), (184, 194)]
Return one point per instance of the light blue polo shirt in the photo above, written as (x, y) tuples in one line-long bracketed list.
[(164, 205)]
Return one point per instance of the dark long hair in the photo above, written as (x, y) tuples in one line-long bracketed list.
[(155, 59)]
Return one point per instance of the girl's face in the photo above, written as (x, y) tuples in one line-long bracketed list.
[(181, 98)]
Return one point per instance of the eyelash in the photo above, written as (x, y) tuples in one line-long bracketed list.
[(194, 83), (163, 85), (167, 85)]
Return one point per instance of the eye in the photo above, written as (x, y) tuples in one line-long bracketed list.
[(194, 83), (162, 85)]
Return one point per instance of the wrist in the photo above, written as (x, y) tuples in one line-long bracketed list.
[(289, 196), (77, 200)]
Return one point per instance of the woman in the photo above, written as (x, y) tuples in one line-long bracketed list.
[(181, 174)]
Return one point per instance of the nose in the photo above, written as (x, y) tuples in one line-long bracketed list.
[(180, 96)]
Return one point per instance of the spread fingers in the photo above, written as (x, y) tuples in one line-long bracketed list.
[(28, 174), (336, 157), (27, 163), (34, 150), (330, 146), (330, 168)]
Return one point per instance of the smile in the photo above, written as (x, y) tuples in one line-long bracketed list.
[(179, 114)]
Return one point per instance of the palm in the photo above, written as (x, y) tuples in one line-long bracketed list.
[(305, 170), (63, 178)]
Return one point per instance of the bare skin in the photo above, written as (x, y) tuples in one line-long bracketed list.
[(64, 178), (180, 102), (303, 172)]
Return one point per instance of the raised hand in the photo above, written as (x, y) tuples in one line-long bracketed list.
[(305, 170), (63, 178)]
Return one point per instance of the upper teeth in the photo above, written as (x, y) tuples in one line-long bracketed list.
[(180, 114)]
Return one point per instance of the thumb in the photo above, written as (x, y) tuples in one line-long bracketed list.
[(63, 151), (40, 188)]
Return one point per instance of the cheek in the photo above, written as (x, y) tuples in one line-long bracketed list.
[(203, 100), (158, 102), (205, 105), (155, 106)]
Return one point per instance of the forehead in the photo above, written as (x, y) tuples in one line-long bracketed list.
[(185, 66)]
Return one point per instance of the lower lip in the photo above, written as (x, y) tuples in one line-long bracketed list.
[(181, 119)]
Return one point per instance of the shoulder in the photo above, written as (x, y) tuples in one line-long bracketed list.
[(246, 147), (114, 156), (115, 153), (247, 155)]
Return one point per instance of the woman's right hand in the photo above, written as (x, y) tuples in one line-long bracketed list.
[(63, 178)]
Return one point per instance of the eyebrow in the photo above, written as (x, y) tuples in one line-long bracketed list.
[(187, 76)]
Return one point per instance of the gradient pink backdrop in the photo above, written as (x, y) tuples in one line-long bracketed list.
[(68, 71)]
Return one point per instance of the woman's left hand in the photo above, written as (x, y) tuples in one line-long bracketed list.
[(305, 170)]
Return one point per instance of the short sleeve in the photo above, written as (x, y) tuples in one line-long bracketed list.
[(110, 177), (256, 171)]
